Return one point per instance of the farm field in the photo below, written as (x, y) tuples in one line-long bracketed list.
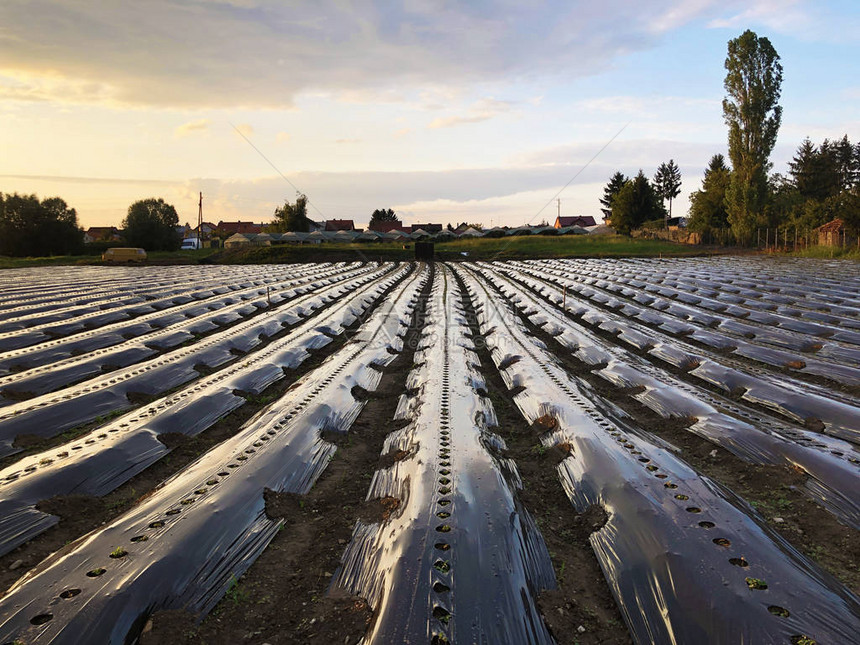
[(537, 451)]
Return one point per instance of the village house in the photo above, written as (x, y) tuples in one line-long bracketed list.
[(226, 229), (574, 220), (381, 226), (339, 225), (102, 234)]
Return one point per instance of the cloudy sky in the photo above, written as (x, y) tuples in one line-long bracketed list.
[(472, 111)]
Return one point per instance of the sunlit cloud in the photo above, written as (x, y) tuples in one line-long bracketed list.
[(245, 129), (192, 127)]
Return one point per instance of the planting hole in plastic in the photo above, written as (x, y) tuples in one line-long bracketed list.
[(41, 619), (441, 614)]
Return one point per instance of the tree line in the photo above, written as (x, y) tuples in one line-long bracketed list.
[(822, 184), (30, 227), (632, 203)]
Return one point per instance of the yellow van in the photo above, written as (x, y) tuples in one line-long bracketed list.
[(120, 254)]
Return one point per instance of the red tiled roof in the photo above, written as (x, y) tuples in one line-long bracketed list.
[(577, 220), (239, 227), (339, 225), (384, 227)]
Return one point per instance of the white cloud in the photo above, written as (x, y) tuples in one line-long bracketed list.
[(261, 54), (482, 110), (449, 121), (282, 137), (192, 127), (245, 129), (804, 19)]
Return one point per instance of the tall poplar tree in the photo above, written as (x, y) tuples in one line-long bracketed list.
[(753, 116)]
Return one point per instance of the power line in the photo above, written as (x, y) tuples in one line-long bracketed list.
[(277, 170), (579, 172)]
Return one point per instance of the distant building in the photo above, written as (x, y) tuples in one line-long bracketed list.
[(102, 234), (226, 229), (339, 225), (834, 233), (385, 227), (576, 220), (429, 228)]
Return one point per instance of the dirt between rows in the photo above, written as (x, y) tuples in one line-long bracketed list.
[(776, 492)]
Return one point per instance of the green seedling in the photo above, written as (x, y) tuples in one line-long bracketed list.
[(803, 640), (756, 583), (235, 593)]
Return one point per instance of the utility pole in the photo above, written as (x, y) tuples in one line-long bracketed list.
[(559, 206), (200, 222)]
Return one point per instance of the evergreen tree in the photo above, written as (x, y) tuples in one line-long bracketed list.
[(802, 168), (616, 183), (847, 165), (637, 202), (708, 205), (667, 182), (753, 116)]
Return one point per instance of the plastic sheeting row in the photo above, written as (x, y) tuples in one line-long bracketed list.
[(181, 547), (686, 560)]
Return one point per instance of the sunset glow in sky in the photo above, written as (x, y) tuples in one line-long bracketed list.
[(474, 111)]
